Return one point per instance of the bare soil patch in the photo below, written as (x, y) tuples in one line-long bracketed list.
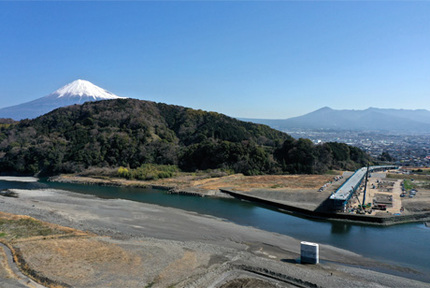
[(420, 202)]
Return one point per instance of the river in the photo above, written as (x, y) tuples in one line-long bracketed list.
[(405, 244)]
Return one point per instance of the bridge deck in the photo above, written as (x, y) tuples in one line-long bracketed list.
[(350, 186)]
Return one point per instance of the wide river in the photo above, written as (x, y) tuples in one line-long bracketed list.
[(406, 244)]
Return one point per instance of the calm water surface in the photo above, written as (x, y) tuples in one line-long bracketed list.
[(407, 244)]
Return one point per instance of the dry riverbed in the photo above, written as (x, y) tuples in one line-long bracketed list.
[(94, 242)]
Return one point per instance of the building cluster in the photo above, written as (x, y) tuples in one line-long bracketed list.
[(406, 150)]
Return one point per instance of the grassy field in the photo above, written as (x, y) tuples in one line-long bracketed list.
[(24, 228), (408, 184), (409, 177), (413, 181)]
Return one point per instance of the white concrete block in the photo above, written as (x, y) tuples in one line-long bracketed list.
[(309, 252)]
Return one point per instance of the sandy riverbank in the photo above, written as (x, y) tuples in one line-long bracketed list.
[(305, 195), (136, 245)]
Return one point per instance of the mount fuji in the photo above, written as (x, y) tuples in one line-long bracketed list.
[(76, 92)]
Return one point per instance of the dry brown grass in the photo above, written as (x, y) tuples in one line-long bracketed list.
[(244, 183), (15, 228), (69, 257), (411, 176), (78, 260), (52, 254), (237, 181)]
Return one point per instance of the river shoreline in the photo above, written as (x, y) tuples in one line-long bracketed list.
[(283, 206), (342, 217), (219, 247)]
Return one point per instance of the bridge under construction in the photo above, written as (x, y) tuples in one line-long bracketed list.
[(340, 198)]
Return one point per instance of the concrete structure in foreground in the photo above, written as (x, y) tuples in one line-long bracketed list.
[(309, 253), (341, 197)]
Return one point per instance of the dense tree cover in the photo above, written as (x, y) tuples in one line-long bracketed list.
[(7, 121), (302, 156), (131, 133), (386, 157)]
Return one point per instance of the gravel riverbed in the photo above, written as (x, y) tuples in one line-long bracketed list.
[(149, 245)]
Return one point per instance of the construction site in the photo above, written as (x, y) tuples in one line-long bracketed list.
[(364, 194), (381, 196)]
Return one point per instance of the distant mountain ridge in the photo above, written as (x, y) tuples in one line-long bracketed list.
[(371, 119), (76, 92)]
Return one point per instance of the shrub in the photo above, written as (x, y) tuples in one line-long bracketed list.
[(123, 172)]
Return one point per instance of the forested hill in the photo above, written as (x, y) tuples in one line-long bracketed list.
[(130, 132)]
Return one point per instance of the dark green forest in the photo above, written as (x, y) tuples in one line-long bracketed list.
[(131, 133)]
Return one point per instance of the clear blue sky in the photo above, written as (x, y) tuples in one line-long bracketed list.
[(258, 59)]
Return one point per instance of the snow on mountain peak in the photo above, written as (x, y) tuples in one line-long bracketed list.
[(84, 88)]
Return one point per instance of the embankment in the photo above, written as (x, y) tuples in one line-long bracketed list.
[(374, 220)]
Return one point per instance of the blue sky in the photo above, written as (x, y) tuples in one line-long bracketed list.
[(257, 59)]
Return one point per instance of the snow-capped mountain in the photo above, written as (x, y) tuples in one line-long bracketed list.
[(84, 90), (76, 92)]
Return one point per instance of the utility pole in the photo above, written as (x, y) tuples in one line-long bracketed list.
[(365, 185)]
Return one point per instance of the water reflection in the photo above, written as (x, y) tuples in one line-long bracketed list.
[(340, 228), (21, 185)]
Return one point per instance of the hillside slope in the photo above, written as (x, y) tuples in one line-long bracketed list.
[(130, 132)]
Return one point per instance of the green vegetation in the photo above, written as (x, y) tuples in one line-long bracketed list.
[(423, 183), (419, 180), (148, 172), (24, 228), (408, 185), (302, 156), (386, 157), (420, 171), (421, 177), (153, 140)]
